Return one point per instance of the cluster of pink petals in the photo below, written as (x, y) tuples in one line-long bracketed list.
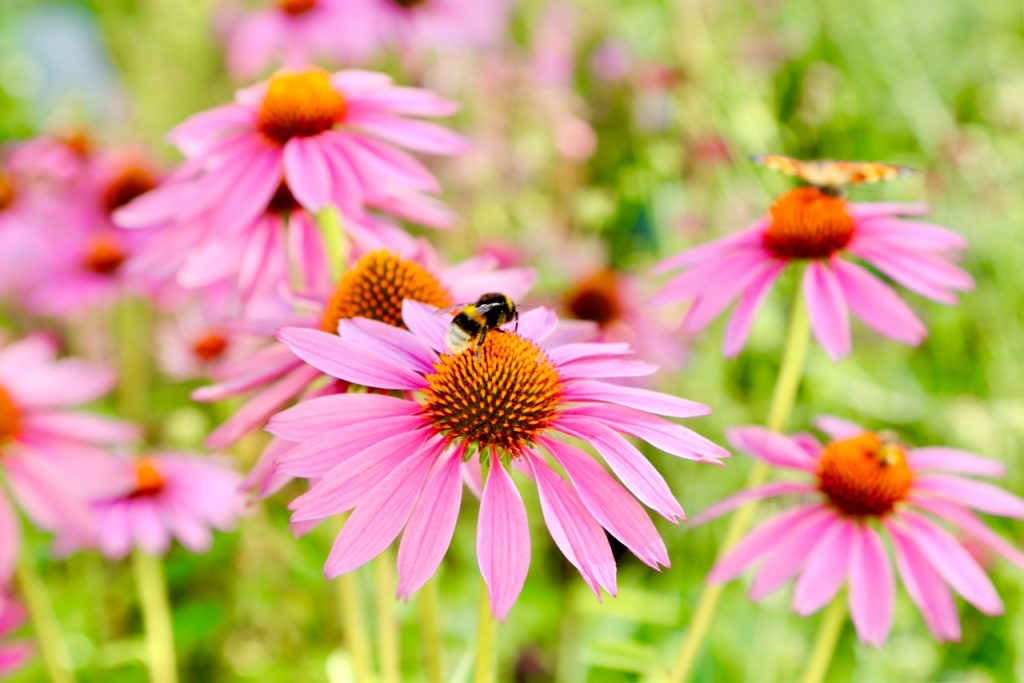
[(58, 458), (13, 655), (215, 209), (380, 456), (197, 494), (277, 377), (823, 549), (919, 256)]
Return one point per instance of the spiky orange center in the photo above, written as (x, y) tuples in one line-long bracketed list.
[(105, 255), (808, 223), (148, 480), (596, 298), (6, 190), (502, 397), (131, 182), (865, 475), (210, 347), (298, 105), (375, 288), (296, 7), (10, 418)]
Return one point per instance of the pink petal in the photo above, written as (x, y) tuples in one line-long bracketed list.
[(667, 436), (827, 308), (10, 539), (379, 517), (570, 353), (785, 560), (631, 397), (838, 429), (872, 588), (610, 504), (431, 525), (81, 427), (953, 460), (758, 542), (398, 345), (427, 323), (307, 173), (876, 304), (349, 361), (975, 494), (912, 234), (952, 562), (317, 455), (825, 568), (925, 587), (261, 406), (771, 447), (779, 488), (417, 135), (316, 415), (742, 318), (576, 533), (970, 524), (502, 541), (728, 284)]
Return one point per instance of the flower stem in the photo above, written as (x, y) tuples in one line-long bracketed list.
[(44, 621), (430, 631), (156, 613), (387, 624), (779, 411), (329, 222), (486, 636), (356, 640), (825, 644)]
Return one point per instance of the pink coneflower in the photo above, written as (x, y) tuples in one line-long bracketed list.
[(52, 456), (294, 34), (395, 460), (612, 301), (13, 655), (284, 150), (374, 287), (197, 340), (824, 231), (864, 482), (165, 496)]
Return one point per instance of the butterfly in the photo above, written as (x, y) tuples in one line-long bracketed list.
[(832, 176)]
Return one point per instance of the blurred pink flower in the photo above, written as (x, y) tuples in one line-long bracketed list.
[(13, 655), (165, 496), (808, 225), (197, 339), (863, 482), (395, 460), (53, 458), (374, 287), (295, 34)]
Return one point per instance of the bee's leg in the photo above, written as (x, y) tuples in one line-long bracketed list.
[(516, 316), (480, 343)]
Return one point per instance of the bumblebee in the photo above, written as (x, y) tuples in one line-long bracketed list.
[(473, 321)]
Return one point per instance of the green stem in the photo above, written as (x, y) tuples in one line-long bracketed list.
[(133, 337), (156, 614), (44, 621), (387, 624), (825, 644), (329, 222), (430, 631), (486, 636), (779, 411), (356, 640)]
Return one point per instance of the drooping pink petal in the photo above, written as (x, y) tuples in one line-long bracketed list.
[(837, 428), (827, 308), (970, 524), (925, 587), (315, 415), (876, 304), (348, 361), (953, 460), (610, 504), (316, 456), (758, 542), (975, 494), (397, 344), (426, 323), (771, 447), (910, 234), (307, 173), (10, 539), (751, 236), (431, 525), (632, 397), (81, 427), (380, 516), (742, 318), (872, 588), (772, 490), (502, 541), (783, 562), (417, 135), (952, 562), (576, 533), (825, 568)]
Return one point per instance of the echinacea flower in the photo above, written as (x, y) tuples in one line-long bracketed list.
[(165, 496), (395, 460), (53, 457), (294, 33), (829, 235), (309, 138), (196, 339), (13, 655), (864, 483), (373, 287)]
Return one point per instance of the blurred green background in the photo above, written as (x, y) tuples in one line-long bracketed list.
[(935, 85)]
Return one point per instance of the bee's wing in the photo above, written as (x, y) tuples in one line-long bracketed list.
[(484, 308), (449, 309)]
